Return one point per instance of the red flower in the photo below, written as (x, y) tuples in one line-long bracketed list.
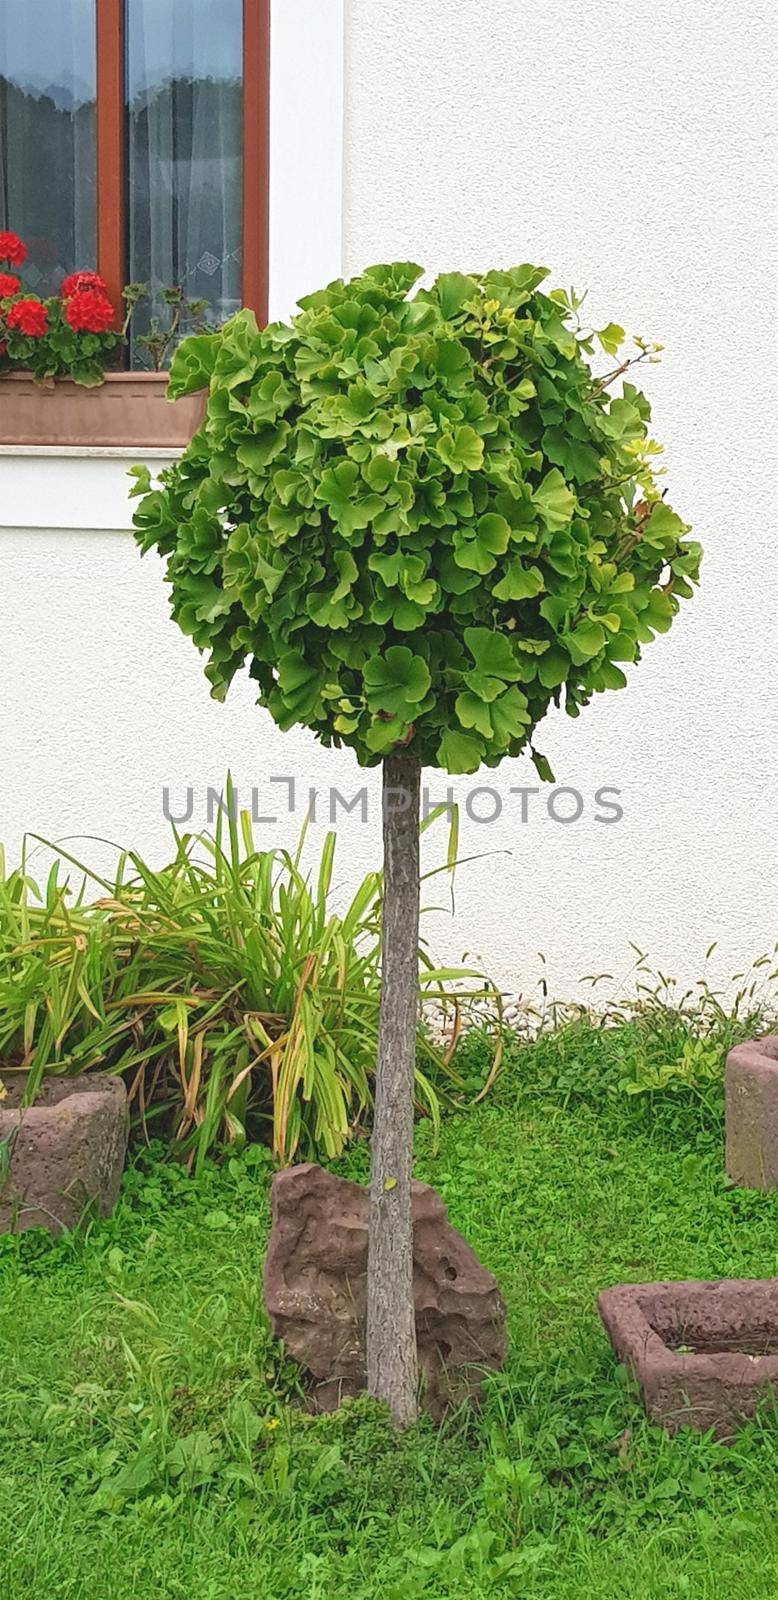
[(28, 316), (83, 280), (9, 284), (87, 311), (12, 249)]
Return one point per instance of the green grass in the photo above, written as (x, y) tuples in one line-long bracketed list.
[(149, 1441)]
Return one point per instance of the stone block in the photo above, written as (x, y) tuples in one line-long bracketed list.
[(751, 1114), (64, 1153)]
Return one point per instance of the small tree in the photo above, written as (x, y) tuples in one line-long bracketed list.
[(421, 521)]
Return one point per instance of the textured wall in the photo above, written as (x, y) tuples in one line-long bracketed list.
[(633, 150)]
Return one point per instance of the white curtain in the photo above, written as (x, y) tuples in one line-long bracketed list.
[(47, 134), (184, 89)]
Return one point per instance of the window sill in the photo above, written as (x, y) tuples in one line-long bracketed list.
[(128, 409)]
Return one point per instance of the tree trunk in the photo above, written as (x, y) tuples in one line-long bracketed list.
[(391, 1333)]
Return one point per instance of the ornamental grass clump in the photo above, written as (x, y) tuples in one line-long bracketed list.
[(421, 519), (234, 998)]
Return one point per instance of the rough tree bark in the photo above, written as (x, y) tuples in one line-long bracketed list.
[(392, 1369)]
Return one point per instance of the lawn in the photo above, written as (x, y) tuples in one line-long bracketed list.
[(150, 1439)]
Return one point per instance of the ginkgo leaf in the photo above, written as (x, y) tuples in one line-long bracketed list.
[(554, 500), (459, 752), (396, 681), (519, 582)]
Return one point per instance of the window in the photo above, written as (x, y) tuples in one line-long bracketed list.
[(184, 147), (48, 134), (134, 139)]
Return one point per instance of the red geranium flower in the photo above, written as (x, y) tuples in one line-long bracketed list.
[(89, 312), (28, 316), (12, 249), (83, 280), (9, 284)]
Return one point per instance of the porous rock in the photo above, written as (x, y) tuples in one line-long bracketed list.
[(65, 1152), (316, 1280)]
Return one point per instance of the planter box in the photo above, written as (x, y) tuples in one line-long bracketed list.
[(704, 1354), (751, 1088), (130, 408), (65, 1153)]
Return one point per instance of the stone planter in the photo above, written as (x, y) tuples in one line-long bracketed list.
[(751, 1089), (129, 408), (65, 1153), (704, 1354)]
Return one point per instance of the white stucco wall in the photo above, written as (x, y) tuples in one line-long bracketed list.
[(632, 149)]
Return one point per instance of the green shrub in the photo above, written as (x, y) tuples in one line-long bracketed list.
[(235, 1001), (419, 520)]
